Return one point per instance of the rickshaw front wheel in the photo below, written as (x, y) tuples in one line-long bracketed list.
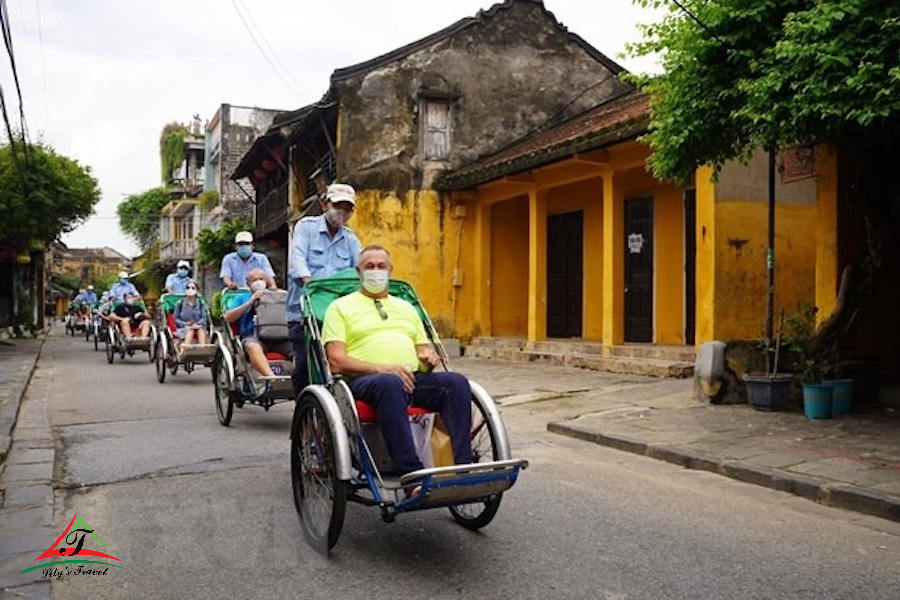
[(319, 496)]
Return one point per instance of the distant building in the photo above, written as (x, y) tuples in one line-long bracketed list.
[(85, 264)]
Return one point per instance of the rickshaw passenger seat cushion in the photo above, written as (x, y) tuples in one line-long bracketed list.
[(276, 356), (170, 321), (368, 414)]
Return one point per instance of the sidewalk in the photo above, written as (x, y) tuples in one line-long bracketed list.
[(851, 462), (26, 467)]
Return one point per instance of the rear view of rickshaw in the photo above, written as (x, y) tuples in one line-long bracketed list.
[(170, 352), (338, 452)]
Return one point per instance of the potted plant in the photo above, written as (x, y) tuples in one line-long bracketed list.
[(769, 390), (812, 364)]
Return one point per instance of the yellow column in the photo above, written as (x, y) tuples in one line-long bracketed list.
[(483, 268), (613, 263), (706, 255), (826, 231), (537, 265)]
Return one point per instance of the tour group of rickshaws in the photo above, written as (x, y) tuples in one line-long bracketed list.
[(337, 452)]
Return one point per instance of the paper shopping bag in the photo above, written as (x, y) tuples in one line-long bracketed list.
[(441, 448)]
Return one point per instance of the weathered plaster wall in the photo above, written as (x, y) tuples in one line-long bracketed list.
[(510, 74), (740, 242)]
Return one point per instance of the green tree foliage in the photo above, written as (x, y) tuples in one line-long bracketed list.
[(139, 216), (104, 281), (171, 148), (51, 195), (212, 245), (739, 75)]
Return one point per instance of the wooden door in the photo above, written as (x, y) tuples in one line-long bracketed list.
[(639, 270), (565, 285), (690, 266)]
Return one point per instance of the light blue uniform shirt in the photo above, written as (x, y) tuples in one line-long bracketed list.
[(90, 296), (237, 268), (177, 283), (119, 289), (316, 254)]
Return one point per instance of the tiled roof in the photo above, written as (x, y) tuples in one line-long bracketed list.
[(618, 119), (403, 51)]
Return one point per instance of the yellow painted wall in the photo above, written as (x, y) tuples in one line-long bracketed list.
[(706, 256), (740, 265), (422, 235), (668, 212), (509, 268)]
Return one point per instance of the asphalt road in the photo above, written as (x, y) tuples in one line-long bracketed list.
[(196, 510)]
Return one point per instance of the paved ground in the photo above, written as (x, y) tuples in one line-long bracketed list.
[(852, 462)]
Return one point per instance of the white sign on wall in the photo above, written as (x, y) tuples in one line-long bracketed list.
[(635, 243)]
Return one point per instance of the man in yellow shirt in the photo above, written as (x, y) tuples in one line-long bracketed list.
[(378, 341)]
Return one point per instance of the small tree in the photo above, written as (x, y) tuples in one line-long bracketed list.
[(139, 216), (171, 148), (740, 75), (42, 195)]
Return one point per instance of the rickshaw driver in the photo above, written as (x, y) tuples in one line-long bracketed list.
[(129, 316), (121, 287), (242, 314), (376, 339)]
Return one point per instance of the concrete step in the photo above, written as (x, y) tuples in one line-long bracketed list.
[(614, 364)]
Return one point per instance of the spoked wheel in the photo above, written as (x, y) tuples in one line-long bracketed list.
[(320, 497), (476, 515), (160, 363), (96, 339), (224, 404), (110, 352)]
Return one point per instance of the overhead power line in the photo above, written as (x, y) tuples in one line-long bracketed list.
[(262, 51)]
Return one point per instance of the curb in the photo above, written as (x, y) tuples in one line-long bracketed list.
[(827, 493), (10, 411)]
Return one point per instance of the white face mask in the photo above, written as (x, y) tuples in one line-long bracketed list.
[(191, 292), (375, 280), (258, 285), (336, 217)]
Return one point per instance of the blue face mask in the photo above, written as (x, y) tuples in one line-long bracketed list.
[(244, 251), (182, 272), (123, 280)]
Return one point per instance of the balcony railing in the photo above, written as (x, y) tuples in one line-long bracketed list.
[(177, 249)]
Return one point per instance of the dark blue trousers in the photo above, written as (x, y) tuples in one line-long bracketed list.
[(300, 374), (445, 393)]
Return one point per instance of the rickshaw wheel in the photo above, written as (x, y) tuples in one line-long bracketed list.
[(475, 515), (224, 404), (96, 340), (319, 496), (110, 354), (160, 363)]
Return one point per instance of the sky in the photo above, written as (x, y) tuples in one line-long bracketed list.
[(100, 78)]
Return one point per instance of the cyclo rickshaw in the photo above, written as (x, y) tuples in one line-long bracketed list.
[(77, 317), (236, 382), (99, 326), (338, 453), (117, 343), (169, 355)]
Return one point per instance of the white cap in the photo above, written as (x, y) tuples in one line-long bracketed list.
[(123, 274), (243, 237), (341, 192), (184, 263), (90, 287)]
